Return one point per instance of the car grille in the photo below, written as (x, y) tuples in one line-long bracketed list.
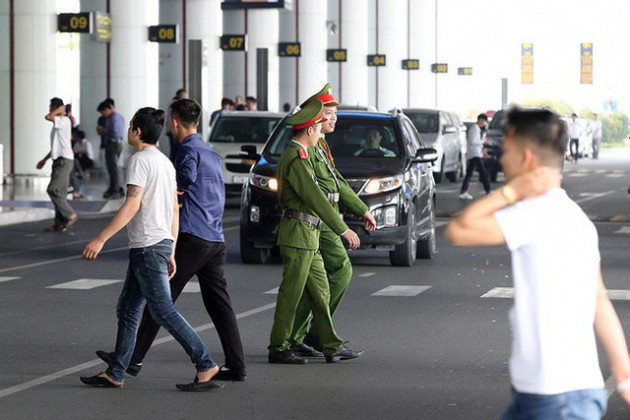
[(356, 184)]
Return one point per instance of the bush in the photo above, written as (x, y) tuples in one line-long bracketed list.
[(614, 127)]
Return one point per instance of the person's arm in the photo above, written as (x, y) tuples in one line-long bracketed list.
[(42, 162), (117, 127), (55, 112), (186, 163), (476, 225), (172, 267), (353, 203), (610, 334), (130, 207)]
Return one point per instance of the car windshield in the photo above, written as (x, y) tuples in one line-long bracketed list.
[(243, 129), (425, 123), (353, 138), (495, 123)]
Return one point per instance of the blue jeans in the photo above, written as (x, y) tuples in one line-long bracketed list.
[(147, 278), (586, 404)]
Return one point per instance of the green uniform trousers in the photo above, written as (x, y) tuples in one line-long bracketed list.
[(303, 271), (339, 272)]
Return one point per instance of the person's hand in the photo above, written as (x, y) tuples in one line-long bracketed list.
[(40, 164), (180, 193), (536, 182), (172, 267), (92, 249), (352, 238), (370, 223)]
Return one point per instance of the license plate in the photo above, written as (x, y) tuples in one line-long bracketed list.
[(239, 179)]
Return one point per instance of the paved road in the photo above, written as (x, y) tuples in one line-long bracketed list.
[(437, 350)]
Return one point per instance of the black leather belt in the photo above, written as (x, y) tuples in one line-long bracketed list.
[(314, 221), (333, 197)]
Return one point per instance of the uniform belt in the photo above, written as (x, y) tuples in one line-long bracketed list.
[(333, 197), (314, 221)]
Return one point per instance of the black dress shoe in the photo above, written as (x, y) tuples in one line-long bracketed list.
[(286, 357), (196, 386), (227, 374), (99, 382), (133, 369), (311, 340), (303, 350), (344, 353)]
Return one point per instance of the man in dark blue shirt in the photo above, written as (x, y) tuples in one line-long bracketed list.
[(200, 248)]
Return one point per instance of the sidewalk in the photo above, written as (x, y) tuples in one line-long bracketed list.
[(24, 199)]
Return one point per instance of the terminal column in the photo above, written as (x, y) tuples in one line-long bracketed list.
[(234, 61), (353, 81), (34, 81), (392, 41), (262, 32), (312, 71), (171, 65)]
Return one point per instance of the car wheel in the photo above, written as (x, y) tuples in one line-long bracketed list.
[(251, 254), (427, 246), (437, 176), (404, 254), (452, 176)]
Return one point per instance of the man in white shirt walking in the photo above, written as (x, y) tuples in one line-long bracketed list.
[(559, 306), (575, 131), (596, 129), (474, 153), (63, 161)]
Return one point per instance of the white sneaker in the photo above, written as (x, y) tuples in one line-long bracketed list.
[(466, 196)]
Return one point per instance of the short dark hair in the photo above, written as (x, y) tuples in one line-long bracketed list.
[(541, 127), (179, 92), (110, 102), (187, 111), (250, 99), (56, 102), (103, 105), (68, 108), (78, 132), (226, 101), (150, 122), (482, 116)]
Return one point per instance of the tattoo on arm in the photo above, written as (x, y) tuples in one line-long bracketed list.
[(133, 191)]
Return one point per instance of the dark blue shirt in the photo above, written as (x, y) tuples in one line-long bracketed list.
[(199, 176), (115, 128)]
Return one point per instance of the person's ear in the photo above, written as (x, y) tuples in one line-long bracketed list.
[(529, 158)]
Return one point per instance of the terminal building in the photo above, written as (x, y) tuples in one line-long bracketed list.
[(376, 53)]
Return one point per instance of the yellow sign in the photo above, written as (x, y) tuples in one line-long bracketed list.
[(233, 42), (411, 64), (102, 27), (464, 71), (527, 64), (334, 55), (376, 60), (163, 33), (289, 49), (74, 22), (586, 63), (439, 68)]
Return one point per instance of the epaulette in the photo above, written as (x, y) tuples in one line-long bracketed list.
[(303, 154)]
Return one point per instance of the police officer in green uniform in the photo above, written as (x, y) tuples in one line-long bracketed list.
[(336, 261), (305, 209)]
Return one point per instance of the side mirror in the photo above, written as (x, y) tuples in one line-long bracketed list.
[(247, 157), (249, 149), (449, 129), (425, 155)]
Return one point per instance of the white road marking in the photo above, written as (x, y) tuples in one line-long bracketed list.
[(74, 257), (83, 366), (592, 196), (84, 284), (273, 291), (508, 293), (191, 287), (407, 291), (3, 279), (576, 174), (623, 229), (615, 176), (370, 274)]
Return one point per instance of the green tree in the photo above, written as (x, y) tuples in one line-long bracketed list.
[(614, 127)]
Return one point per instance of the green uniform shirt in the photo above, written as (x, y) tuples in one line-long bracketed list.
[(298, 190), (324, 164)]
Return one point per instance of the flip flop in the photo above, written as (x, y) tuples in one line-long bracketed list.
[(196, 386), (99, 382)]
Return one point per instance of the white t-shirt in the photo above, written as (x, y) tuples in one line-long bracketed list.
[(473, 142), (154, 172), (61, 138), (84, 147), (555, 263), (596, 126), (575, 130)]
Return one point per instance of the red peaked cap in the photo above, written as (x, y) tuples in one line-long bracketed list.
[(325, 95)]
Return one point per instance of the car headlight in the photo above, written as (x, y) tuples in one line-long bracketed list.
[(378, 185), (265, 182), (385, 216)]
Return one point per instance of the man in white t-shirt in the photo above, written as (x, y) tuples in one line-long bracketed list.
[(559, 306), (150, 212), (62, 163), (575, 132), (596, 129)]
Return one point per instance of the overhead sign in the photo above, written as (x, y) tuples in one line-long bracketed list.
[(163, 33), (586, 63), (411, 64), (527, 64), (74, 22), (464, 71), (439, 68), (102, 31), (289, 49), (337, 55), (233, 42), (255, 4), (376, 60)]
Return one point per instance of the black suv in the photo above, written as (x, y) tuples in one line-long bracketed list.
[(393, 178), (494, 146)]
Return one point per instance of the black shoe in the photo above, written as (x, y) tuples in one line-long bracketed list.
[(133, 369), (286, 357), (99, 382), (311, 340), (196, 386), (107, 194), (303, 350), (227, 374), (344, 353)]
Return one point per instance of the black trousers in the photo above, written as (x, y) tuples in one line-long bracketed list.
[(574, 143), (483, 174), (195, 256)]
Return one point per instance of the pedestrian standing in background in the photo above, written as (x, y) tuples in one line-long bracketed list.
[(474, 153), (596, 129), (172, 141), (251, 103), (113, 134), (575, 132), (150, 212), (69, 115), (560, 302), (62, 165), (226, 105)]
